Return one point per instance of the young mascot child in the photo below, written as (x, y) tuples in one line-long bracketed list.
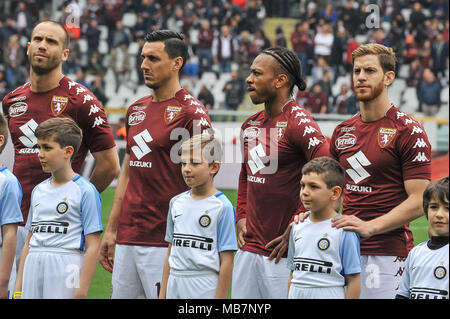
[(427, 265), (10, 218), (200, 228), (65, 221), (323, 260)]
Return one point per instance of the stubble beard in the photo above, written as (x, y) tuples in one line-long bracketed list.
[(375, 92)]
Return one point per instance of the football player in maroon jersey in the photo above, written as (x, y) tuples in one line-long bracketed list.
[(387, 156), (150, 176), (48, 94), (276, 142)]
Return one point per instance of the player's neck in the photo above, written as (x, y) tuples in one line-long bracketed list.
[(375, 109), (62, 176), (45, 82), (323, 214), (275, 106), (204, 191), (167, 91)]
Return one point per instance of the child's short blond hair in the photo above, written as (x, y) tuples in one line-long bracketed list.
[(207, 144), (63, 130), (386, 55)]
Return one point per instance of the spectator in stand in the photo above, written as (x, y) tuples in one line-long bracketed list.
[(350, 16), (113, 13), (205, 38), (410, 51), (119, 35), (325, 83), (73, 62), (206, 97), (329, 14), (14, 60), (119, 62), (4, 88), (280, 38), (337, 52), (323, 42), (140, 28), (92, 37), (121, 132), (439, 54), (300, 41), (302, 96), (95, 66), (415, 73), (138, 63), (429, 94), (317, 100), (234, 92), (339, 101), (252, 20), (312, 16), (98, 88), (320, 69), (95, 9), (223, 49), (417, 17), (80, 78), (258, 43), (352, 105), (23, 18)]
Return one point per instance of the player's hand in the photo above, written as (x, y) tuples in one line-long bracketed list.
[(241, 230), (280, 244), (300, 218), (4, 291), (353, 223), (107, 251)]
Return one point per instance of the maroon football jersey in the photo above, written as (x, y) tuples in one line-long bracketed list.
[(275, 150), (377, 158), (154, 133), (25, 109)]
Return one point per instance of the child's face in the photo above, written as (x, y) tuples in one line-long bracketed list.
[(195, 170), (51, 155), (314, 193), (438, 217)]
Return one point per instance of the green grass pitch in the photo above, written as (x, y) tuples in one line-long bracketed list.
[(101, 283)]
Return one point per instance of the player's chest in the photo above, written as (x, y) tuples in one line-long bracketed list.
[(57, 205), (28, 112), (196, 219), (313, 241), (157, 128)]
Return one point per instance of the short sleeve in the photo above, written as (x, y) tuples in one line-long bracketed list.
[(91, 210), (170, 224), (291, 250), (415, 152), (349, 252), (10, 200), (226, 233), (403, 289)]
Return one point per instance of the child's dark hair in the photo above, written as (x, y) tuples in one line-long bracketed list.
[(290, 63), (63, 130), (3, 131), (332, 171), (437, 189), (173, 42)]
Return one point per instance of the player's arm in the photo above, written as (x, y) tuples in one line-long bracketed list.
[(353, 286), (109, 237), (106, 169), (289, 282), (165, 275), (241, 220), (9, 235), (89, 264), (23, 256), (226, 269), (405, 212)]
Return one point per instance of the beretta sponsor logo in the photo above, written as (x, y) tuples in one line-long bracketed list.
[(250, 133), (136, 118), (345, 141), (17, 109)]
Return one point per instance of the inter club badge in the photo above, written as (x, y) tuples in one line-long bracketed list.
[(58, 104), (386, 136), (171, 113)]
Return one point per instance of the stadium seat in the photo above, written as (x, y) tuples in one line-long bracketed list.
[(133, 48), (409, 103), (83, 45), (103, 47), (116, 102), (444, 95), (103, 32), (129, 19), (403, 72), (406, 13)]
